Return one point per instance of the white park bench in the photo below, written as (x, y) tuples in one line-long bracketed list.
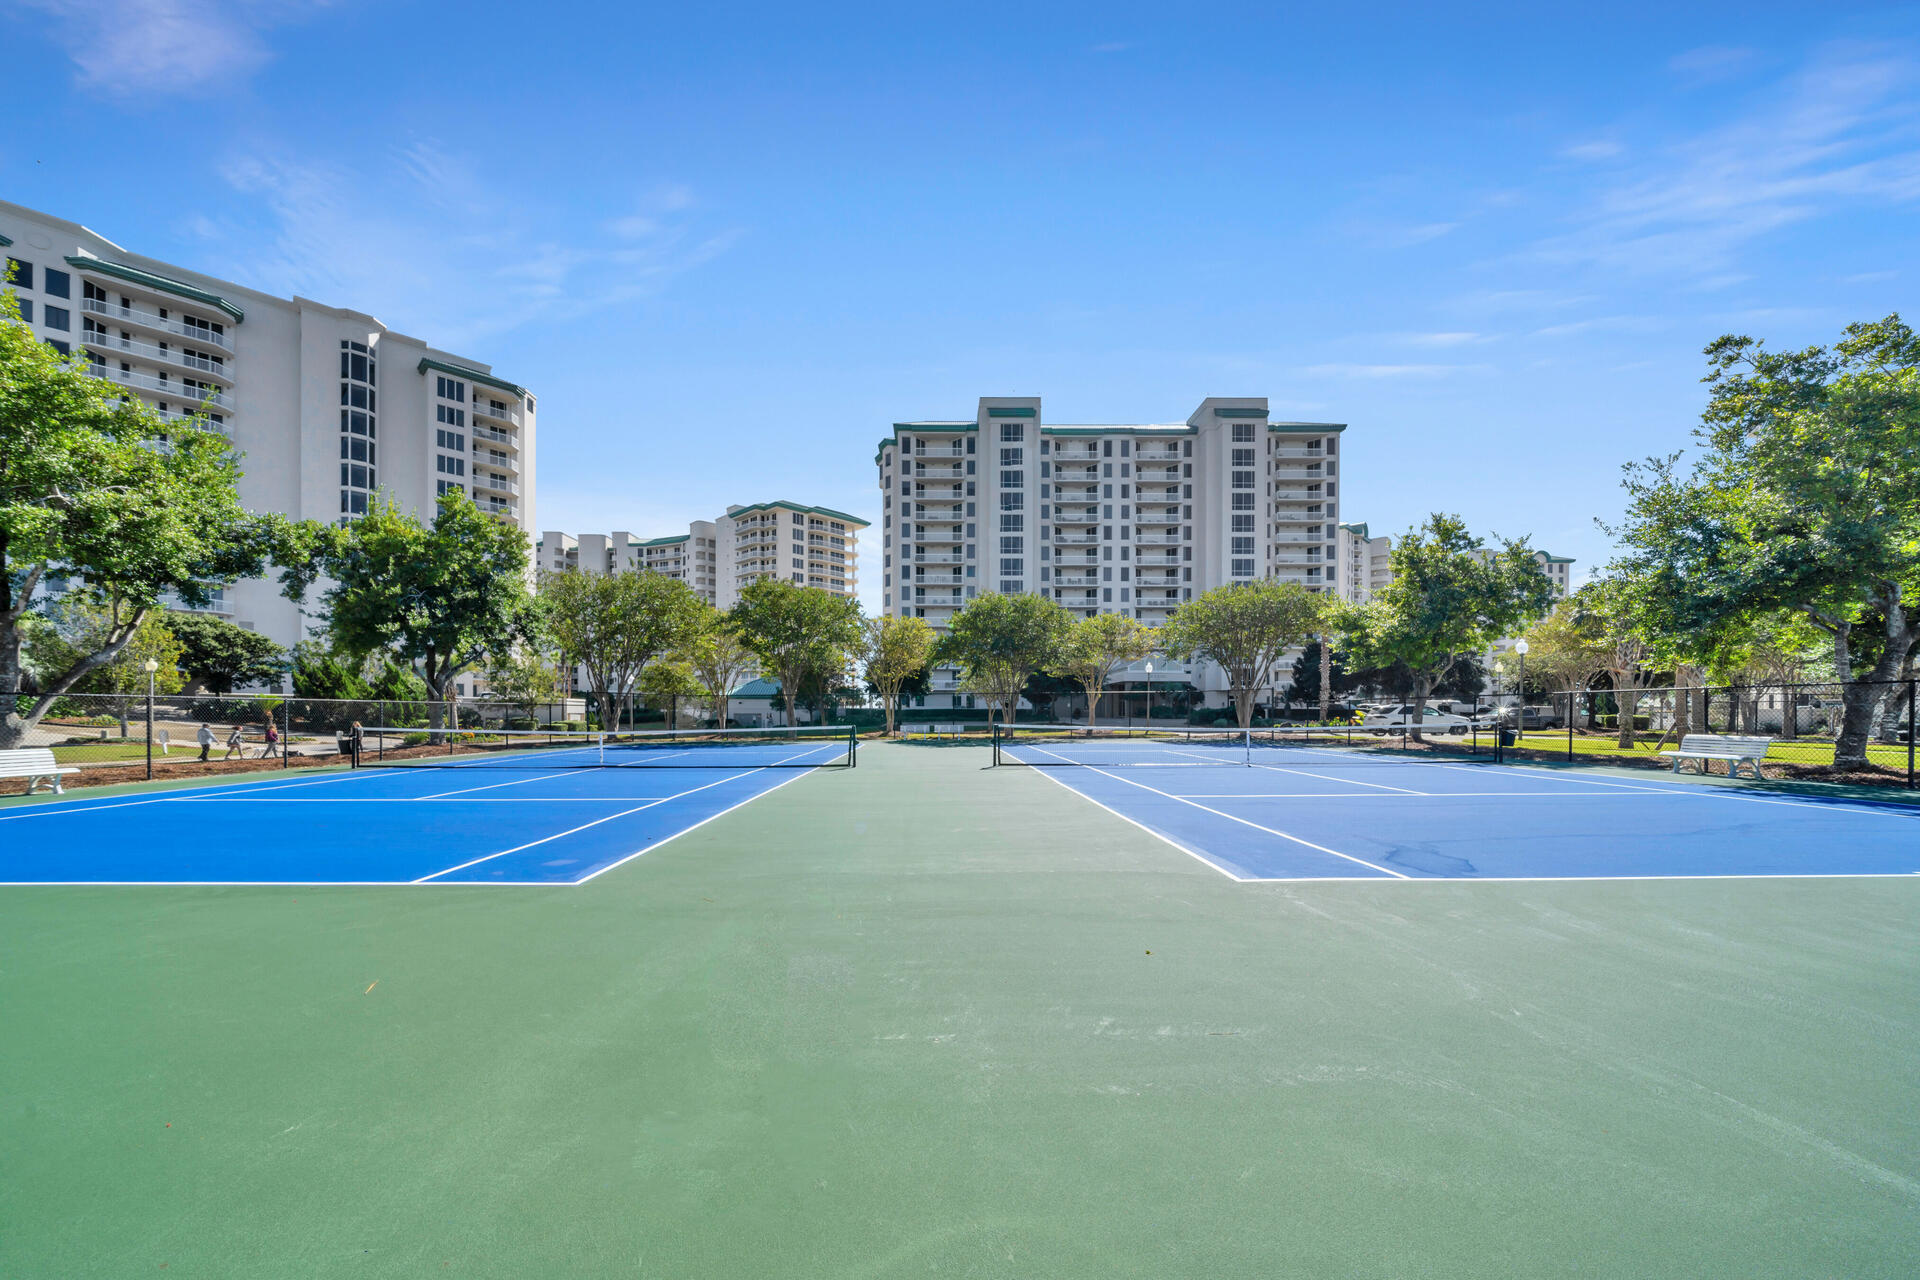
[(36, 765), (1733, 749)]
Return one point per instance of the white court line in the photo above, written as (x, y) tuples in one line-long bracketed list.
[(511, 782), (1853, 804), (80, 804), (1416, 795), (1357, 782), (623, 813), (703, 822), (1201, 858), (1244, 822)]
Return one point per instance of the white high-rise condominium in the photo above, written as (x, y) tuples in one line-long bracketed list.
[(1136, 518), (812, 546), (328, 407)]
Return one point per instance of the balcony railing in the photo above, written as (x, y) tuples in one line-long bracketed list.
[(487, 480), (1297, 473), (103, 342), (151, 320), (1156, 539), (503, 413), (1144, 516), (1061, 535), (939, 557), (1075, 453), (1076, 515), (214, 399), (1144, 454), (1286, 451), (496, 435), (1156, 475), (1076, 580)]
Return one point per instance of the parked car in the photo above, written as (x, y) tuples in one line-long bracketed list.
[(1401, 716), (1531, 717)]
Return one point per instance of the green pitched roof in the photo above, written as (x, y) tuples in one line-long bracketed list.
[(461, 371), (133, 275), (828, 512)]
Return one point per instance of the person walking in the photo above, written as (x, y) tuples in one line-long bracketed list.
[(236, 744), (273, 739), (205, 739)]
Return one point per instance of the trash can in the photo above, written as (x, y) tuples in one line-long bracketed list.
[(1508, 737)]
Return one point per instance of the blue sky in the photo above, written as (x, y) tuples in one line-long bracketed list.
[(728, 245)]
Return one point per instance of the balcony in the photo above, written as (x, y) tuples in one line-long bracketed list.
[(1144, 454), (151, 320), (499, 413), (499, 507), (940, 493), (1061, 535), (1298, 518), (495, 484), (1156, 539), (496, 435), (940, 579), (1156, 475), (1076, 580), (103, 342), (939, 557), (1075, 453), (1076, 515), (1295, 451), (1170, 515), (937, 536), (939, 471), (215, 399), (1076, 473), (1297, 473), (1283, 493), (1157, 579)]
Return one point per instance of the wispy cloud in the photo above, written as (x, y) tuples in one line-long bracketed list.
[(1843, 133), (416, 241), (1384, 235), (1599, 149), (185, 47), (1449, 339), (1710, 63), (1388, 370), (1111, 46)]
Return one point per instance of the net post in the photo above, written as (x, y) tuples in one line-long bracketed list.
[(1913, 687)]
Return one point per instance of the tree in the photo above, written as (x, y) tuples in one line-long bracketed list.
[(718, 659), (893, 651), (1562, 650), (1804, 497), (1319, 673), (1244, 630), (665, 683), (999, 642), (221, 655), (442, 596), (1606, 610), (521, 678), (614, 624), (85, 494), (77, 626), (793, 630), (1450, 597), (1094, 648)]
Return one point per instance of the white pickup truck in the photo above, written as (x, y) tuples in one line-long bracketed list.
[(1399, 716)]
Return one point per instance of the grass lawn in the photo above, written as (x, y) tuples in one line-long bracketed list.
[(1792, 751), (924, 1017)]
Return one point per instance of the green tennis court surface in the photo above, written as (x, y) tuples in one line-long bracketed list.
[(929, 1018)]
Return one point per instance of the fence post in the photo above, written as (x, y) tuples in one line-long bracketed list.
[(1912, 686), (1570, 697), (286, 734), (150, 736)]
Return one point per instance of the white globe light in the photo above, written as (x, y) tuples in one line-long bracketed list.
[(1520, 647)]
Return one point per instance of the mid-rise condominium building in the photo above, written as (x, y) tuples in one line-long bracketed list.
[(328, 407), (1135, 518), (812, 546)]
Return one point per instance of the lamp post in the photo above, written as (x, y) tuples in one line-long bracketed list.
[(150, 666), (1148, 668), (1520, 715)]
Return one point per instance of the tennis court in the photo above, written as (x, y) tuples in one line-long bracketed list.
[(1281, 805), (500, 808)]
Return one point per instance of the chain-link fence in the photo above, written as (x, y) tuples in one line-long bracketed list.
[(128, 737), (1854, 732)]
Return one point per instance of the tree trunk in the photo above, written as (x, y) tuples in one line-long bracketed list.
[(1422, 690), (1094, 690), (1627, 699), (1326, 679)]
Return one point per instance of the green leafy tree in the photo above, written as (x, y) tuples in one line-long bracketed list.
[(999, 642), (1804, 496), (1450, 597), (521, 678), (1319, 673), (718, 658), (86, 494), (322, 672), (441, 597), (614, 624), (892, 652), (794, 630), (221, 655), (77, 626), (1092, 649), (665, 684), (1244, 630)]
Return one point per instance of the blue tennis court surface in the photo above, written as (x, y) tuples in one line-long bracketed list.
[(460, 822), (1321, 814)]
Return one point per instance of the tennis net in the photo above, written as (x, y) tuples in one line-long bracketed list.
[(1113, 746), (800, 747)]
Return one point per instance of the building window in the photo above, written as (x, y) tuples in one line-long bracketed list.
[(1243, 568), (57, 283), (57, 318), (1011, 479), (451, 416), (451, 389), (1243, 480), (19, 273), (26, 309), (452, 440), (1242, 434), (358, 372), (1012, 524), (1243, 457), (1010, 433), (1243, 523)]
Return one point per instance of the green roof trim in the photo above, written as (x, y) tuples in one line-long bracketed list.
[(1308, 428), (1358, 530), (133, 275), (828, 512), (1166, 430), (1558, 559), (1011, 413), (5, 243), (661, 542), (936, 426), (461, 371), (1218, 412)]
